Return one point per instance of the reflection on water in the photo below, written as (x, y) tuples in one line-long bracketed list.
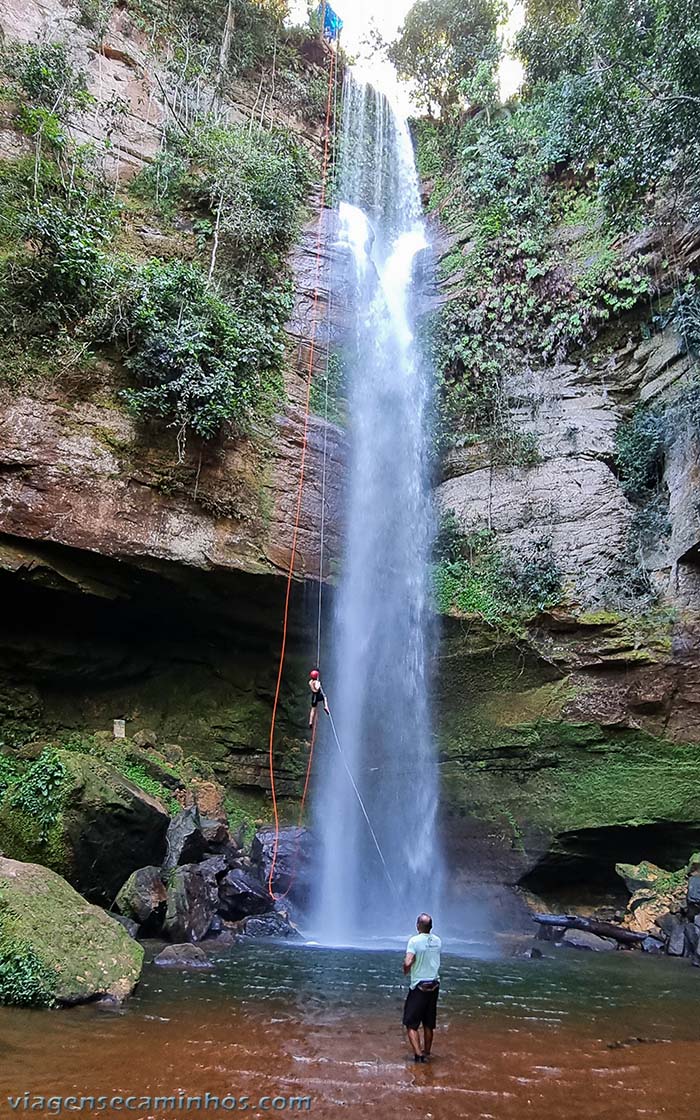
[(515, 1038)]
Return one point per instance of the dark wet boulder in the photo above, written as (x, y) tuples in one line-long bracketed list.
[(184, 840), (653, 945), (97, 826), (143, 899), (57, 948), (269, 925), (582, 939), (215, 833), (674, 928), (241, 895), (192, 901), (292, 862), (183, 956), (694, 890), (691, 934), (214, 865), (131, 927)]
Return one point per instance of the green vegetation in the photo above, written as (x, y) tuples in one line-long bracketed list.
[(473, 576), (603, 137), (38, 794), (445, 47), (329, 391), (201, 341), (25, 979)]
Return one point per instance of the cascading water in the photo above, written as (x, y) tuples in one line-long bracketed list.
[(381, 630)]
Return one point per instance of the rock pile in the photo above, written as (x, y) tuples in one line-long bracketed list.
[(662, 916), (209, 887), (665, 905)]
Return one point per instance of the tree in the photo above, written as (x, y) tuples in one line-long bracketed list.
[(442, 43)]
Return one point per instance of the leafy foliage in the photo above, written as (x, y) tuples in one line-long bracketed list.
[(200, 361), (473, 576), (619, 84), (39, 792), (204, 351), (25, 980), (328, 396), (639, 452), (45, 88), (444, 43), (253, 182), (195, 31), (572, 151), (10, 772)]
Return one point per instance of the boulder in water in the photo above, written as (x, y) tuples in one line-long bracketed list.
[(652, 945), (269, 925), (291, 863), (582, 939), (192, 901), (183, 956), (241, 895), (143, 899), (57, 948)]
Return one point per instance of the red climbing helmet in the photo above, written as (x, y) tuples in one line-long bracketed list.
[(314, 674)]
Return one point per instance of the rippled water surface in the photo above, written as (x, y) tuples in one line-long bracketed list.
[(554, 1038)]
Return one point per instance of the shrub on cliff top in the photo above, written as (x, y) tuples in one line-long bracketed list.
[(199, 361)]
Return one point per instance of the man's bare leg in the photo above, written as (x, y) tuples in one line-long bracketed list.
[(414, 1039), (428, 1033)]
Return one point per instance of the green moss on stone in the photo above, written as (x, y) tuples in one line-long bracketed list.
[(54, 946)]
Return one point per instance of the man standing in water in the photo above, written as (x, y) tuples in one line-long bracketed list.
[(422, 962)]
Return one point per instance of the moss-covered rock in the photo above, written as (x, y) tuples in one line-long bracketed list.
[(54, 946), (83, 819)]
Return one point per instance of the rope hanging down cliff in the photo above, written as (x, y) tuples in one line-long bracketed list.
[(332, 78)]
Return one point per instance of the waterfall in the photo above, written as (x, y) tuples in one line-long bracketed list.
[(381, 632)]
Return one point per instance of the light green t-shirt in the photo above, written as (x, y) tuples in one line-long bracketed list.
[(426, 966)]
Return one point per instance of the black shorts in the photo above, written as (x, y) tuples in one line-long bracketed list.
[(420, 1008)]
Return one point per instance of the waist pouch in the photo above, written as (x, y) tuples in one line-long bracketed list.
[(428, 985)]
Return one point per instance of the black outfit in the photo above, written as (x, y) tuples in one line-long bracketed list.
[(316, 696), (420, 1008)]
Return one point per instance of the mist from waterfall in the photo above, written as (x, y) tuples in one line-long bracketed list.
[(380, 642)]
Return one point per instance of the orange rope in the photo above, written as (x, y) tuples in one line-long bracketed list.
[(297, 516)]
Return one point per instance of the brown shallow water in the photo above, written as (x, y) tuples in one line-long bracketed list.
[(515, 1039)]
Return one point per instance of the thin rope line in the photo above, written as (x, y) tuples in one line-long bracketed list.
[(362, 806), (300, 489)]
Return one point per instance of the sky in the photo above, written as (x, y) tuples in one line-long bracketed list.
[(387, 16)]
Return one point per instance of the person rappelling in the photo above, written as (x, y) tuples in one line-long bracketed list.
[(317, 696)]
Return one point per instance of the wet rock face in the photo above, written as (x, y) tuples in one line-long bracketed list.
[(292, 860), (185, 842), (571, 496), (143, 899), (192, 903), (240, 895)]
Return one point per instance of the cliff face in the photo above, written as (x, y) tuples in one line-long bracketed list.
[(139, 582), (575, 741)]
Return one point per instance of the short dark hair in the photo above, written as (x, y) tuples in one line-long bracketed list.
[(424, 923)]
